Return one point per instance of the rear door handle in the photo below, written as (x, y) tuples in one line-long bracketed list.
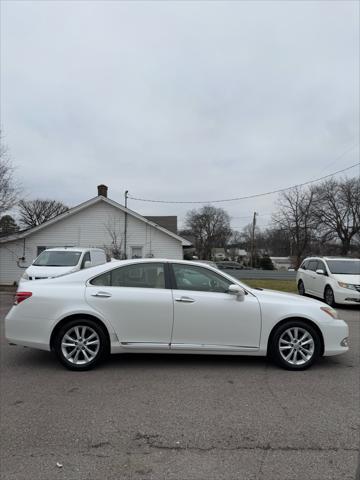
[(101, 294), (184, 300)]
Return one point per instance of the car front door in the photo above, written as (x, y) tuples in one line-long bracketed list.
[(207, 317), (319, 280), (311, 277), (135, 300)]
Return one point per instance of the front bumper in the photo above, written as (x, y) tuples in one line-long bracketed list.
[(347, 296), (334, 335)]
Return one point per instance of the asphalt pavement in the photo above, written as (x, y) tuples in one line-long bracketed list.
[(145, 417)]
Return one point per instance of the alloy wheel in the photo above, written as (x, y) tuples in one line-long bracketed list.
[(80, 345), (296, 346)]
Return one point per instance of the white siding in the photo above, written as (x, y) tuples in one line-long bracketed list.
[(87, 228)]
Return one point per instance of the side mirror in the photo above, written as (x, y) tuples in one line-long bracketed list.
[(87, 264), (237, 290), (320, 271)]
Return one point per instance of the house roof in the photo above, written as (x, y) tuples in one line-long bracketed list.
[(82, 206), (167, 221)]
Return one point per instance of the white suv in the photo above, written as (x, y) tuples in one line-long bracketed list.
[(336, 280)]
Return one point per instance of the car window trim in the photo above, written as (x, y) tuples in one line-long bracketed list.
[(166, 275), (174, 283)]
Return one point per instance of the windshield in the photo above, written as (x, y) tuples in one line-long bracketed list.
[(344, 267), (55, 258)]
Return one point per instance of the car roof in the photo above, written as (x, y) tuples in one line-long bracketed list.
[(332, 258), (72, 249)]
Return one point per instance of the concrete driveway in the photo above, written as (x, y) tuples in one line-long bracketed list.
[(179, 417)]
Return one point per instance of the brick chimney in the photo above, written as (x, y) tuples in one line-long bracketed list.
[(102, 190)]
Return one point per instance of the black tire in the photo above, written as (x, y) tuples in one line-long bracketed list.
[(310, 350), (91, 328), (301, 288), (329, 296)]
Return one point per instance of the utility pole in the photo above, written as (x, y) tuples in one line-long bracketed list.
[(125, 229), (253, 239)]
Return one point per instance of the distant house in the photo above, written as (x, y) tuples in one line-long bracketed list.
[(98, 222), (282, 263), (238, 254)]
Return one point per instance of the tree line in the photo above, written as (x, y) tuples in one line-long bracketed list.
[(319, 219)]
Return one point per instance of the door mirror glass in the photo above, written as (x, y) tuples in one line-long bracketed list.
[(236, 290), (320, 271)]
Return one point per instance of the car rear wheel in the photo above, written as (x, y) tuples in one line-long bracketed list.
[(329, 296), (295, 345), (81, 344), (301, 288)]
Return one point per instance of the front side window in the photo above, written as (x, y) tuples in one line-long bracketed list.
[(312, 265), (54, 258), (321, 266), (86, 258), (140, 275), (189, 277)]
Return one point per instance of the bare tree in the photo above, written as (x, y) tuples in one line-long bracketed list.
[(295, 218), (35, 212), (9, 191), (338, 210), (116, 248), (8, 225), (210, 228)]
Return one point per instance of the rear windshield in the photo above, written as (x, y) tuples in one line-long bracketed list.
[(344, 267), (55, 258)]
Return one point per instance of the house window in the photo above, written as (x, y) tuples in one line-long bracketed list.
[(136, 252), (39, 250)]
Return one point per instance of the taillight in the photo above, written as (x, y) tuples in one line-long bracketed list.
[(21, 296)]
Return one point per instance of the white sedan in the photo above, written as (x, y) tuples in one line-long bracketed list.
[(167, 306)]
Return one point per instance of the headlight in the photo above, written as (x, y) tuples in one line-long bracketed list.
[(346, 285), (330, 311), (25, 276)]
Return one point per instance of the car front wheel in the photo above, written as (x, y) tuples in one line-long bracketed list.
[(295, 345), (301, 288), (329, 296), (81, 344)]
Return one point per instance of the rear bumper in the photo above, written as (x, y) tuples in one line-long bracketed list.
[(27, 331)]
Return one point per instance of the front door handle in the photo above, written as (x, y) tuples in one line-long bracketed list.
[(184, 300), (101, 294)]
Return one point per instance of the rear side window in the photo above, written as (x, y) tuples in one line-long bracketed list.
[(141, 275)]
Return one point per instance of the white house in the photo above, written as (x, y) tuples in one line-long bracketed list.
[(98, 222)]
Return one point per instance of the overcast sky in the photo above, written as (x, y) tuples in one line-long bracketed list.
[(179, 100)]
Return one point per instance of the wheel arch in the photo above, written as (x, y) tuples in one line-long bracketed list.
[(302, 319), (75, 316)]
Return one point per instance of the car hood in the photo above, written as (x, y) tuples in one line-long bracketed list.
[(46, 272), (354, 279), (274, 294)]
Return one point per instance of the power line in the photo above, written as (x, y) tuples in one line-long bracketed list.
[(247, 196)]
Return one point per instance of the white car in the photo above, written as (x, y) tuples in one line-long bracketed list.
[(336, 280), (165, 306), (54, 262)]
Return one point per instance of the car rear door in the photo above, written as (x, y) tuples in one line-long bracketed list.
[(206, 317), (136, 301)]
